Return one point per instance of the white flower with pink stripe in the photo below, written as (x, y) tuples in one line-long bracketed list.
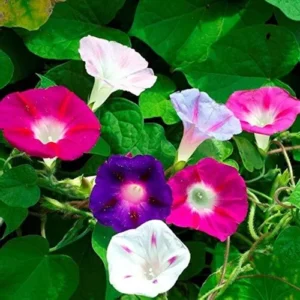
[(147, 260), (202, 119), (114, 67)]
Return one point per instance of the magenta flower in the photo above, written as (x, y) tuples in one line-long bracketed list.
[(130, 191), (209, 197), (115, 67), (264, 111), (202, 119), (49, 123)]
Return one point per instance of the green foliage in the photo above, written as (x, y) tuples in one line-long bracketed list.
[(249, 154), (18, 187), (155, 101), (78, 19), (245, 59), (27, 270), (184, 32), (7, 70), (289, 7), (122, 124), (294, 198)]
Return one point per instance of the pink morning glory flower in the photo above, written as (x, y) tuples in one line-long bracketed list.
[(49, 123), (202, 119), (264, 111), (130, 191), (147, 260), (209, 197), (115, 67)]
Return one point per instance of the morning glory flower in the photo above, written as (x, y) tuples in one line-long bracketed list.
[(49, 123), (210, 197), (114, 67), (202, 119), (130, 191), (264, 111), (147, 260)]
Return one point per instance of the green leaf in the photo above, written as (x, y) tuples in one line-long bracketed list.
[(197, 263), (27, 271), (294, 198), (218, 258), (7, 69), (45, 82), (250, 156), (101, 148), (13, 217), (232, 163), (154, 142), (287, 244), (212, 148), (28, 14), (155, 102), (92, 273), (18, 187), (72, 75), (184, 31), (122, 124), (100, 240), (291, 8), (78, 19), (93, 11), (25, 63), (245, 59), (265, 285)]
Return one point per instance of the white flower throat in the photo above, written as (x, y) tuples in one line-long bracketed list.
[(48, 130)]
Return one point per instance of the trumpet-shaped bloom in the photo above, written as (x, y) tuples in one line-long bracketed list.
[(130, 191), (202, 119), (115, 67), (209, 197), (49, 123), (146, 261), (264, 111)]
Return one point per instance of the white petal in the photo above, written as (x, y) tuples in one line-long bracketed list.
[(117, 65), (152, 245)]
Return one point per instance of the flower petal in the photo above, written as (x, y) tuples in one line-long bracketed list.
[(267, 110), (152, 246)]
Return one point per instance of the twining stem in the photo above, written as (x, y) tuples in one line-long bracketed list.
[(226, 256), (276, 197), (10, 158), (251, 222), (53, 204), (215, 289), (260, 194), (291, 148), (287, 159), (282, 223), (261, 175)]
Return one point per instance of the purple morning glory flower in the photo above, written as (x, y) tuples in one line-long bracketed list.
[(130, 191)]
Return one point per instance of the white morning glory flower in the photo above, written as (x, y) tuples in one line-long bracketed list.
[(114, 67), (147, 260)]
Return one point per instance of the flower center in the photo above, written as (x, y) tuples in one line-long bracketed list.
[(133, 192), (48, 130), (201, 197), (261, 118), (151, 271)]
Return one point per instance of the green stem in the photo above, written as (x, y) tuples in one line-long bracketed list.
[(53, 204), (282, 223), (10, 158), (251, 222), (215, 289), (288, 162), (242, 238), (270, 200), (262, 174)]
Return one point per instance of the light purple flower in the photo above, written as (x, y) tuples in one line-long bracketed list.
[(147, 260), (202, 119)]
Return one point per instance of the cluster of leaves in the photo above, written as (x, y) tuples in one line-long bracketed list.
[(218, 46)]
